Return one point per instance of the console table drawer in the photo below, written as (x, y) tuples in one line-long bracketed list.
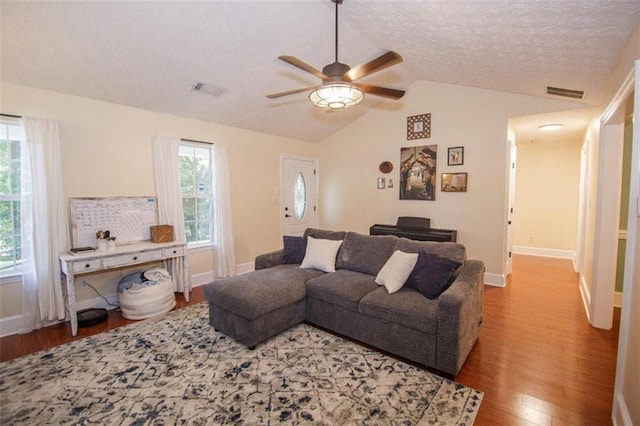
[(128, 259), (86, 266), (174, 251)]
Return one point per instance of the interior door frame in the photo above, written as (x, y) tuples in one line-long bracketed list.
[(316, 161), (601, 298)]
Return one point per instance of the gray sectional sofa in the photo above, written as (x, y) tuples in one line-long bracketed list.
[(438, 331)]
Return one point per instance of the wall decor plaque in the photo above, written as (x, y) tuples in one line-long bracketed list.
[(419, 126), (386, 167)]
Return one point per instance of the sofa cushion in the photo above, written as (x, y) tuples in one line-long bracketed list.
[(294, 249), (432, 274), (321, 254), (259, 292), (453, 251), (365, 253), (395, 272), (324, 234), (344, 288), (407, 307)]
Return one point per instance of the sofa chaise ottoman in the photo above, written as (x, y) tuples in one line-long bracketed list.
[(437, 331)]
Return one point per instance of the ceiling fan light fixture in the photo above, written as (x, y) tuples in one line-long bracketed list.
[(336, 95)]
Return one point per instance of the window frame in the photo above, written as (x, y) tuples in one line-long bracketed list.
[(16, 270), (208, 147)]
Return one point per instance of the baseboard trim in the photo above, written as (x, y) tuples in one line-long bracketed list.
[(495, 280), (198, 280), (545, 252), (586, 297), (18, 324), (617, 299), (620, 415), (12, 325), (243, 268)]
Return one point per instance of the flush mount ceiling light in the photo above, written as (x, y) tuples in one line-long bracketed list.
[(338, 90), (550, 127)]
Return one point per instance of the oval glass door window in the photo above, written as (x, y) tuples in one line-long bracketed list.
[(299, 196)]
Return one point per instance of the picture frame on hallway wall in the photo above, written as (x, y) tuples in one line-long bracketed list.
[(455, 156), (453, 182), (381, 183)]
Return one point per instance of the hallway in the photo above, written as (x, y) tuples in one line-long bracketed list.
[(538, 360)]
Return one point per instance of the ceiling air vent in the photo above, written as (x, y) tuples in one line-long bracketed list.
[(567, 93), (207, 89)]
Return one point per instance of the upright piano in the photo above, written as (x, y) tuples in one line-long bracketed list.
[(415, 228)]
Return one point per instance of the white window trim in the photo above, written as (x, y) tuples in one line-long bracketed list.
[(198, 246)]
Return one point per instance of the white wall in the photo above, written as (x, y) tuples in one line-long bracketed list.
[(546, 201), (460, 116), (106, 151)]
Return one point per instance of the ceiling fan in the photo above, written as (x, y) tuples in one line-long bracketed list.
[(338, 90)]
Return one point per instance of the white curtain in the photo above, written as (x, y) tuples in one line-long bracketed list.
[(167, 179), (44, 222), (222, 226)]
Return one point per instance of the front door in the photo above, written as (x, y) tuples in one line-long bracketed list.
[(299, 190)]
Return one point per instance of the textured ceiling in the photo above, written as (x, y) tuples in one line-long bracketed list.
[(149, 54)]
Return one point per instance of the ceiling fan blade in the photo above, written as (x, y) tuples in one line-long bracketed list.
[(303, 66), (290, 92), (381, 91), (381, 62)]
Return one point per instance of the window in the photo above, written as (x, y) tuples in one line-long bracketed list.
[(196, 167), (11, 135), (299, 196)]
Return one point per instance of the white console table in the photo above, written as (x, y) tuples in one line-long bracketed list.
[(123, 256)]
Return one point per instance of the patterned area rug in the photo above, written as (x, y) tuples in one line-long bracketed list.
[(176, 370)]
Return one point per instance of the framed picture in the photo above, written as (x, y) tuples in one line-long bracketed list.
[(418, 172), (456, 156), (381, 184), (419, 126), (390, 183), (454, 182)]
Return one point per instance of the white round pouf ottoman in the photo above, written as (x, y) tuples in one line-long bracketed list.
[(141, 301)]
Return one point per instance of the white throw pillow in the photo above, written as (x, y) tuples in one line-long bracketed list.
[(396, 270), (321, 254)]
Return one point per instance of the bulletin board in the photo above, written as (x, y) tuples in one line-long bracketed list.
[(126, 218)]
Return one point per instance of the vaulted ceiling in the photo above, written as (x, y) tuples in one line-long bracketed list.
[(150, 54)]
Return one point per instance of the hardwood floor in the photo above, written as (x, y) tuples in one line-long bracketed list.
[(22, 344), (538, 361)]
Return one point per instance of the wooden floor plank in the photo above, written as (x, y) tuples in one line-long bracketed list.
[(538, 361)]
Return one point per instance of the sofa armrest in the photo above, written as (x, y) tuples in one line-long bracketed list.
[(268, 260), (460, 317)]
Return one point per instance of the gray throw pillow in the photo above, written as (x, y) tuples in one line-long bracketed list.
[(432, 274)]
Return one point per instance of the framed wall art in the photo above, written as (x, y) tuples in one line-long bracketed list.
[(381, 183), (419, 126), (453, 182), (455, 156), (418, 172)]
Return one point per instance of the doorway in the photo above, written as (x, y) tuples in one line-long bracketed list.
[(544, 181), (299, 194)]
